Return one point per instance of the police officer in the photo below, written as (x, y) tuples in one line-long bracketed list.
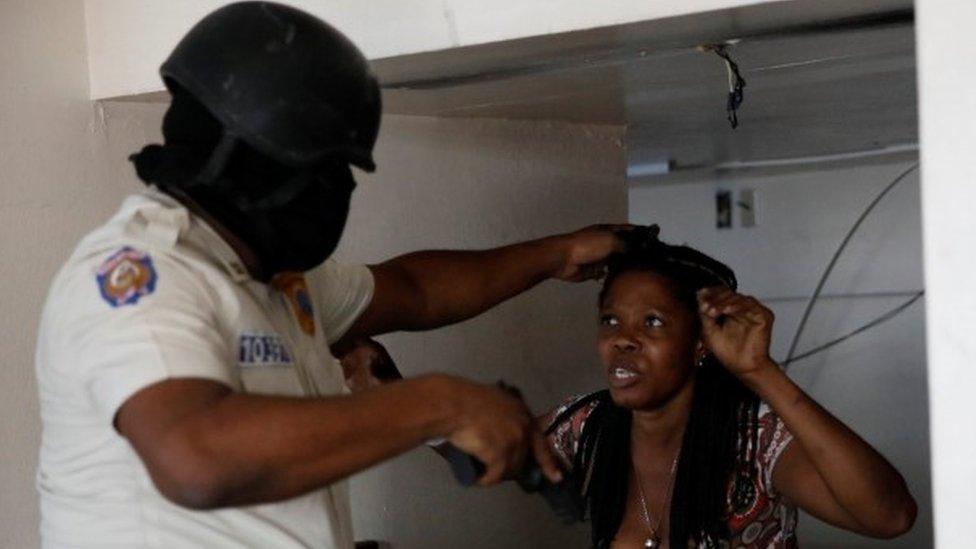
[(189, 397)]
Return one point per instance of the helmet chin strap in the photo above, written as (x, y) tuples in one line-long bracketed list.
[(213, 171), (218, 160)]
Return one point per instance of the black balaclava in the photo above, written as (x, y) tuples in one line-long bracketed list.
[(292, 218)]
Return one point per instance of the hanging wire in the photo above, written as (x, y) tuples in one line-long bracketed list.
[(881, 319), (790, 356), (736, 85)]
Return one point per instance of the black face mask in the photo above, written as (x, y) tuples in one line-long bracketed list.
[(301, 233), (291, 218)]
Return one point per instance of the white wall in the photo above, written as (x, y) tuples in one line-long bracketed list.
[(129, 39), (49, 194), (875, 382), (947, 111)]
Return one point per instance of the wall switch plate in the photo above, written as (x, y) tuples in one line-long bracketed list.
[(723, 210), (747, 208)]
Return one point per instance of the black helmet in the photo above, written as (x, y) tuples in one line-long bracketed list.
[(281, 80)]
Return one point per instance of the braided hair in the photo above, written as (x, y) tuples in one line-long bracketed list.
[(714, 451)]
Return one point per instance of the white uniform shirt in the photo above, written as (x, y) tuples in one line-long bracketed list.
[(155, 294)]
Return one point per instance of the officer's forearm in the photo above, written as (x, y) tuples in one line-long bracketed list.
[(249, 449), (457, 285)]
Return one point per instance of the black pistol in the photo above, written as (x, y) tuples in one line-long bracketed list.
[(562, 497)]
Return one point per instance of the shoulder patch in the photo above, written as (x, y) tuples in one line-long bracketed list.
[(125, 277)]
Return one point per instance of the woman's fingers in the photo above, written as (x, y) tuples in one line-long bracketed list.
[(705, 303), (748, 309), (757, 312), (720, 301), (741, 308), (714, 302)]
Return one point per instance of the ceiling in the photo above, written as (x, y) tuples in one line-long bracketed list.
[(823, 77)]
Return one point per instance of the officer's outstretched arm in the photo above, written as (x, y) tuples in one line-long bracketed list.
[(426, 290), (207, 447)]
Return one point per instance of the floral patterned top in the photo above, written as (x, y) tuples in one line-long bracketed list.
[(757, 516)]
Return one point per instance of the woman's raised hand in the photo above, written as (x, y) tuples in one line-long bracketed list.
[(736, 329)]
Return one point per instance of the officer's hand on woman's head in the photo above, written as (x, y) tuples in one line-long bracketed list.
[(586, 251)]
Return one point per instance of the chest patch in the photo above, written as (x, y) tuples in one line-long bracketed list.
[(296, 291), (260, 349)]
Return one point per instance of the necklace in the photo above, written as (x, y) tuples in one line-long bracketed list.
[(654, 540)]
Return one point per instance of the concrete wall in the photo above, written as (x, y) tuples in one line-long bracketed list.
[(472, 184), (875, 382), (49, 195)]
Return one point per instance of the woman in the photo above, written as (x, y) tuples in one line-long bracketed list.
[(701, 440)]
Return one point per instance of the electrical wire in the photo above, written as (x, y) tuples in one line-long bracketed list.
[(736, 85), (881, 319), (790, 356)]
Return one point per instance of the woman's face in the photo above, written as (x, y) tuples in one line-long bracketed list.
[(648, 340)]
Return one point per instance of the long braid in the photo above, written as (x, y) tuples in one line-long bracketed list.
[(603, 455), (711, 452)]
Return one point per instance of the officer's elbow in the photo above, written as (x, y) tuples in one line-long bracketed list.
[(190, 478), (195, 492)]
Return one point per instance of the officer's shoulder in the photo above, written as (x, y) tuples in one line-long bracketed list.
[(123, 273), (132, 256), (146, 219)]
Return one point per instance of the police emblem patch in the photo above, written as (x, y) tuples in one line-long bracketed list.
[(125, 277)]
